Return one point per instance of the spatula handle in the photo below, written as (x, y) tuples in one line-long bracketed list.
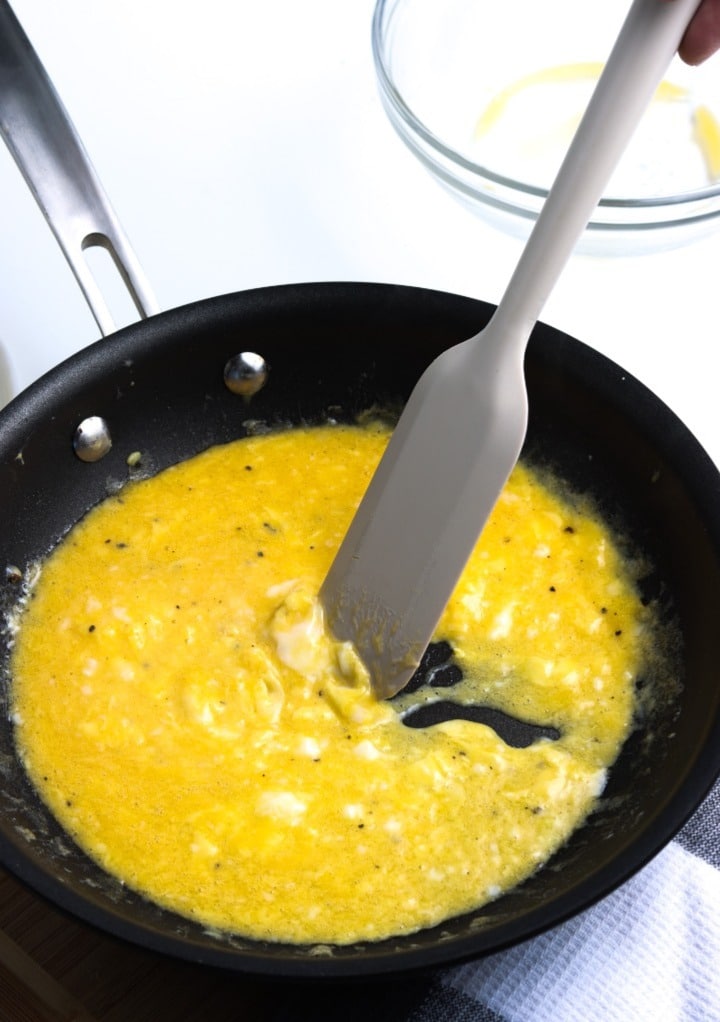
[(46, 147), (642, 53)]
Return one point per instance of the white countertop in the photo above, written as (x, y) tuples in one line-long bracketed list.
[(244, 144)]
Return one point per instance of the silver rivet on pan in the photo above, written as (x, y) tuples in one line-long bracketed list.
[(246, 373), (92, 439)]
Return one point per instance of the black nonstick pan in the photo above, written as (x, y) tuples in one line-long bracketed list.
[(333, 350)]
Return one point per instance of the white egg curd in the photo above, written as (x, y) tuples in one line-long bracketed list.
[(182, 710)]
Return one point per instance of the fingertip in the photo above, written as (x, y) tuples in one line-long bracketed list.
[(702, 38)]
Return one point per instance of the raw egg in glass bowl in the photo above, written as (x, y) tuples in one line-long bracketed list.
[(488, 96)]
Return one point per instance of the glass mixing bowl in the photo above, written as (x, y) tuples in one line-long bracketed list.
[(488, 96)]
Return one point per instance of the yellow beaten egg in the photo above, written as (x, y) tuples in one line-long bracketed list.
[(182, 710), (527, 127)]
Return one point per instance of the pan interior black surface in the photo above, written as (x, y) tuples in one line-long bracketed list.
[(335, 350)]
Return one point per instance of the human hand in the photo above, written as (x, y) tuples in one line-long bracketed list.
[(702, 37)]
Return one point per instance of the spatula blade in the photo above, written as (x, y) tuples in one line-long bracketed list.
[(447, 461)]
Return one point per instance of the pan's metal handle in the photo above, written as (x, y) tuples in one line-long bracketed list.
[(46, 147)]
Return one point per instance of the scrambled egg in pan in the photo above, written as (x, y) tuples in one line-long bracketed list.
[(181, 709)]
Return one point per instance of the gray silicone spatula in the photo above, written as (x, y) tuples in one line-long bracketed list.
[(462, 429)]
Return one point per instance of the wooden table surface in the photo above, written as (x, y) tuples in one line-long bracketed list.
[(56, 969)]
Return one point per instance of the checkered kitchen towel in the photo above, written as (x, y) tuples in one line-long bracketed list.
[(649, 952)]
